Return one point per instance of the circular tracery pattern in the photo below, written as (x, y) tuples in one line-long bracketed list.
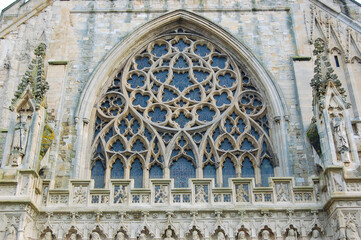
[(182, 101), (181, 82)]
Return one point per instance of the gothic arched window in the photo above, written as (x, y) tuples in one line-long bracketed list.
[(181, 103)]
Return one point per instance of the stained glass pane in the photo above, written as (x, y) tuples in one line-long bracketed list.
[(156, 172), (98, 172), (181, 170), (247, 168), (136, 173), (266, 171), (228, 171), (117, 171), (209, 171)]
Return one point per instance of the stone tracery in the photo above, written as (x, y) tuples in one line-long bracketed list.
[(186, 100)]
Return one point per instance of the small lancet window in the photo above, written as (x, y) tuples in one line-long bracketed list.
[(98, 172), (209, 171), (228, 171), (266, 171), (156, 172), (247, 168), (136, 173), (117, 171), (181, 171), (336, 61)]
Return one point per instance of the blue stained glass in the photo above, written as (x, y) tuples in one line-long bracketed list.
[(219, 62), (245, 100), (136, 81), (156, 172), (117, 146), (155, 87), (202, 50), (194, 94), (98, 127), (143, 62), (195, 62), (190, 153), (157, 115), (108, 135), (200, 75), (254, 133), (226, 145), (205, 114), (222, 99), (197, 137), (181, 170), (141, 100), (257, 103), (182, 142), (135, 126), (167, 137), (182, 120), (168, 95), (161, 75), (156, 148), (266, 171), (247, 168), (106, 104), (216, 133), (138, 146), (114, 112), (208, 148), (248, 110), (245, 80), (147, 134), (181, 63), (207, 86), (159, 50), (116, 81), (247, 145), (117, 171), (241, 125), (175, 152), (234, 116), (209, 171), (181, 45), (228, 125), (98, 172), (181, 81), (99, 152), (227, 80), (228, 171), (136, 173)]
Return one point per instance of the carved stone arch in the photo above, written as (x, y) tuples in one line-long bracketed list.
[(231, 156), (99, 231), (291, 227), (336, 49), (47, 231), (192, 146), (356, 59), (73, 230), (109, 66), (202, 150), (265, 227), (242, 228)]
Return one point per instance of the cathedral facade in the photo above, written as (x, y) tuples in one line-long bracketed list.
[(180, 119)]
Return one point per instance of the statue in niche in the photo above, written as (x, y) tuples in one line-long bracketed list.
[(10, 233), (291, 235), (142, 236), (220, 236), (265, 235), (242, 235), (47, 236), (315, 235), (168, 234), (339, 132), (195, 235), (95, 236), (20, 138), (73, 236), (351, 232), (120, 236)]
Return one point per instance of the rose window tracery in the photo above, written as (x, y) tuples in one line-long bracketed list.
[(181, 103)]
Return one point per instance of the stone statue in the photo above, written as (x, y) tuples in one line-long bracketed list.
[(11, 233), (120, 236), (351, 232), (142, 236), (315, 235), (242, 235), (47, 236), (20, 140), (265, 235), (73, 236), (220, 236), (291, 235), (95, 236), (168, 235), (339, 132), (195, 235)]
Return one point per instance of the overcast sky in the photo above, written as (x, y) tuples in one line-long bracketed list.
[(5, 3)]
